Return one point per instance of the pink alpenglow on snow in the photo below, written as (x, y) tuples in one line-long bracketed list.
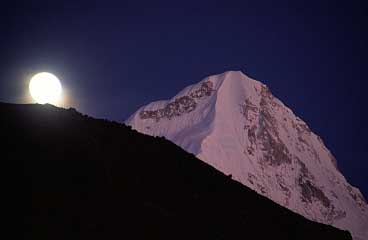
[(235, 124)]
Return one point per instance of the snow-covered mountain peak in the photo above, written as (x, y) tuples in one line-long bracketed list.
[(235, 124)]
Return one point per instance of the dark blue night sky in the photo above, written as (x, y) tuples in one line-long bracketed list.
[(116, 57)]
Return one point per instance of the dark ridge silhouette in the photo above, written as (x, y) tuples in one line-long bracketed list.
[(70, 176)]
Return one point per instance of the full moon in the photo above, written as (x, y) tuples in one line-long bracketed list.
[(45, 88)]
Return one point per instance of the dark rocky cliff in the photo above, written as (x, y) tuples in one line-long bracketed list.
[(74, 177)]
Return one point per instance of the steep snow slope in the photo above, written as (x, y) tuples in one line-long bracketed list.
[(235, 124)]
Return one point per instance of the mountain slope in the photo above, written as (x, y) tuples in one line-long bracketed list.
[(235, 124), (70, 176)]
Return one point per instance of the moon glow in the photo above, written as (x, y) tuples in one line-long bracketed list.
[(45, 87)]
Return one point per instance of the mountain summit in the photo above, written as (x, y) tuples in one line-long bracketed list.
[(235, 124)]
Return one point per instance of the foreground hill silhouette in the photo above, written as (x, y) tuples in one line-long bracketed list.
[(75, 177)]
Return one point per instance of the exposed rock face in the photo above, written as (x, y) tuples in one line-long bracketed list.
[(263, 132), (235, 124), (179, 106)]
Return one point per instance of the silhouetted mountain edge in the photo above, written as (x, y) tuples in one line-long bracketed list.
[(71, 176)]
